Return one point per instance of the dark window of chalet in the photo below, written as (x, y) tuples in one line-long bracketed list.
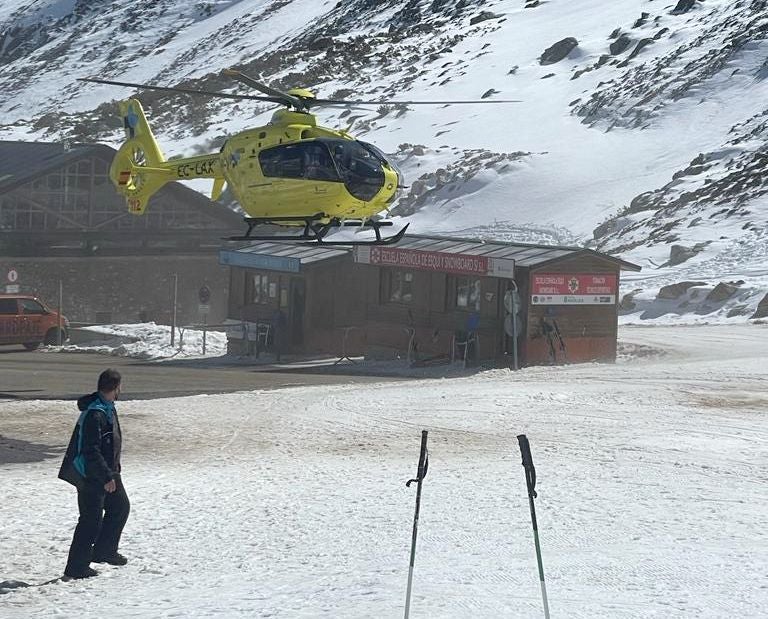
[(400, 286), (260, 293), (468, 294), (263, 289)]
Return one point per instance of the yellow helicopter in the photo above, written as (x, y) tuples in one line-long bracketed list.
[(291, 172)]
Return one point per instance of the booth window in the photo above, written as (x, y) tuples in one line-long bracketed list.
[(260, 293), (468, 294), (401, 287)]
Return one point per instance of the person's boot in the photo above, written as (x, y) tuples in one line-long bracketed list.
[(88, 572), (115, 559)]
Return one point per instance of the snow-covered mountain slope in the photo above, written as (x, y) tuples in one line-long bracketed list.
[(651, 116)]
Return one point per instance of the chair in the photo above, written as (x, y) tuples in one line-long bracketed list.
[(263, 331), (467, 340)]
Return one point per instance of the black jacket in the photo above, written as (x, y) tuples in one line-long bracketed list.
[(93, 453)]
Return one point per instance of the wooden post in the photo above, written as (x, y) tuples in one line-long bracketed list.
[(173, 308), (205, 330), (60, 334)]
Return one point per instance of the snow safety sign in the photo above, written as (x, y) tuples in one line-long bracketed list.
[(573, 289)]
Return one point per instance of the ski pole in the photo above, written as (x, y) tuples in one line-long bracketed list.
[(420, 475), (530, 480), (560, 340)]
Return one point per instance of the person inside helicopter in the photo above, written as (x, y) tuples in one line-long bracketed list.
[(318, 164), (360, 168)]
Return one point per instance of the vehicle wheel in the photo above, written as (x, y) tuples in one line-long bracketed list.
[(52, 337), (32, 345)]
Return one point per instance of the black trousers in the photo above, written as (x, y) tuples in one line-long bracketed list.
[(102, 518)]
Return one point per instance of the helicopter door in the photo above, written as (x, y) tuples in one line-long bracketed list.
[(300, 174), (284, 166)]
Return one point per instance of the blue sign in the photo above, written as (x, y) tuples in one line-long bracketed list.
[(259, 261)]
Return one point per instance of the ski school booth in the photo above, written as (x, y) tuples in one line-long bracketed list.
[(427, 299)]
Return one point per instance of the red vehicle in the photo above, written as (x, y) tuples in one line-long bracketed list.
[(26, 320)]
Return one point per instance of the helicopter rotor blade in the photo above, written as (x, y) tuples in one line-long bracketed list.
[(345, 102), (188, 91), (279, 95)]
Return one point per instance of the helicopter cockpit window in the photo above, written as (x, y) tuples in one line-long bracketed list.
[(283, 161), (318, 163), (306, 160), (360, 167)]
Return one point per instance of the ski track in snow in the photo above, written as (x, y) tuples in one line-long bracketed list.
[(652, 484)]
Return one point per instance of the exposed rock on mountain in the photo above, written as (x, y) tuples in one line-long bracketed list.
[(558, 51)]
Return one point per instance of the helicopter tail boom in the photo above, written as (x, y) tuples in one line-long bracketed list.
[(140, 169), (136, 169)]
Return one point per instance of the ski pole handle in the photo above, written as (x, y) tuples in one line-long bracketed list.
[(530, 470), (423, 467)]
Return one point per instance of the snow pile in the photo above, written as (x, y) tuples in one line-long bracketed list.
[(146, 341)]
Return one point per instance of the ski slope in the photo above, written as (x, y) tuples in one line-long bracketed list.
[(651, 479)]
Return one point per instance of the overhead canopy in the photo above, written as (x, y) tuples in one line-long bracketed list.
[(286, 257)]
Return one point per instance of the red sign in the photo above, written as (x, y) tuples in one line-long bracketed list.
[(443, 262), (573, 289)]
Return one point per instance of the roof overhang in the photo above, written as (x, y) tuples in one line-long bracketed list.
[(282, 257)]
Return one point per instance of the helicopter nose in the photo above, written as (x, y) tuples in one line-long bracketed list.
[(392, 182)]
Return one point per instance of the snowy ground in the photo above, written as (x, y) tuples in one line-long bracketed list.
[(653, 486)]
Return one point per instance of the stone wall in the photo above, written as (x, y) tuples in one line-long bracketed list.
[(124, 289)]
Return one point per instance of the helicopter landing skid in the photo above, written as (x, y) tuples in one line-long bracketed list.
[(315, 230)]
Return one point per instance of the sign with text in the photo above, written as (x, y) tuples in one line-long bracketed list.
[(204, 295), (573, 289), (441, 262), (259, 261)]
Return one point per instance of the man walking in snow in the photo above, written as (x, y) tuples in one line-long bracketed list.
[(92, 465)]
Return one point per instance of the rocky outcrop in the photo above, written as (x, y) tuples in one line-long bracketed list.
[(762, 308), (558, 51), (675, 291), (680, 253), (683, 6), (722, 292), (620, 44), (484, 16), (627, 303), (446, 182)]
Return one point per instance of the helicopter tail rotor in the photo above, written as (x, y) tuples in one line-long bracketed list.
[(135, 169)]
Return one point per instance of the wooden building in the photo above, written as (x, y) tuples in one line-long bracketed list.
[(62, 220), (426, 299)]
